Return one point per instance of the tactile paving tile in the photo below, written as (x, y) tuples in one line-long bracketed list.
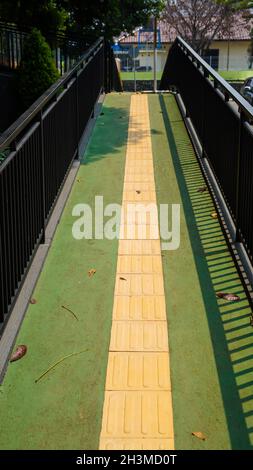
[(139, 308), (136, 444), (138, 187), (138, 195), (138, 371), (139, 284), (139, 336), (139, 232), (139, 414), (132, 170), (139, 213), (140, 264), (139, 177), (139, 247)]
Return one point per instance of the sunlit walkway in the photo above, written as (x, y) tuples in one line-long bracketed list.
[(210, 341)]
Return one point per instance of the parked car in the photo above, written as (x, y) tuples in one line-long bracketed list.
[(127, 68), (143, 68), (247, 90)]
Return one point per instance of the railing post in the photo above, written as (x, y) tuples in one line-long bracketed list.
[(106, 68), (77, 117), (238, 167), (43, 200), (203, 125)]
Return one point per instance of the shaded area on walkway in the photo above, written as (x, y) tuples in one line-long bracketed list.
[(211, 340)]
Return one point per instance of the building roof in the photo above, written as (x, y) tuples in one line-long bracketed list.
[(240, 31)]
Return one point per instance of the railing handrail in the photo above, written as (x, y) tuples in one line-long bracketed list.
[(16, 128), (235, 95)]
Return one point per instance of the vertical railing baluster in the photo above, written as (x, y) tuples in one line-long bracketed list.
[(238, 166), (42, 178)]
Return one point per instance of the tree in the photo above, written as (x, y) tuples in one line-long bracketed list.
[(94, 18), (200, 21), (46, 15), (37, 71), (109, 17)]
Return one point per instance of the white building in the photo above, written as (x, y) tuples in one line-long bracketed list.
[(226, 52)]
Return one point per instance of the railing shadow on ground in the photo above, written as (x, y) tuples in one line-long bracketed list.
[(103, 146), (229, 323)]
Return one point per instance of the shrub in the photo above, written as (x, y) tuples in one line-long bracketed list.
[(37, 70)]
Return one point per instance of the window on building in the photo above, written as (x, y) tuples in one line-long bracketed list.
[(212, 58)]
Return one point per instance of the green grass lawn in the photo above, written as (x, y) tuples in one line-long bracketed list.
[(226, 74), (236, 74), (140, 75)]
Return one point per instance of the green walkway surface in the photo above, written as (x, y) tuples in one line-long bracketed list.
[(211, 341)]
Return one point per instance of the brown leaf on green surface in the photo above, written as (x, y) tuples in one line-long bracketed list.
[(202, 190), (227, 296), (19, 353), (91, 272), (214, 215), (199, 435), (33, 301)]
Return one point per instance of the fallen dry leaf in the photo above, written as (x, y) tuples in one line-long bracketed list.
[(20, 352), (91, 272), (227, 296), (202, 190), (199, 435), (214, 215), (33, 301), (123, 279), (138, 191)]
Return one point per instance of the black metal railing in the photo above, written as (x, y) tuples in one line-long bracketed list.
[(66, 49), (37, 152), (221, 118)]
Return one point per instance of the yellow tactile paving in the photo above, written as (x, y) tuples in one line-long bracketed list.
[(139, 284), (139, 195), (139, 308), (139, 231), (136, 444), (138, 371), (140, 264), (141, 213), (140, 177), (137, 412), (139, 247), (139, 336)]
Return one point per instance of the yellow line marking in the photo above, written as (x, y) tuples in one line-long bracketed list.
[(137, 410)]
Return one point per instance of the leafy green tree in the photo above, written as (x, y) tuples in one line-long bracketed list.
[(108, 17), (95, 18), (37, 70), (46, 15)]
